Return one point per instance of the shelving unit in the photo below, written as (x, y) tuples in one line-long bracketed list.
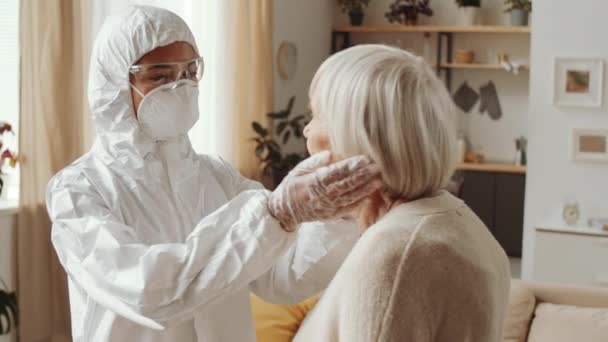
[(477, 66), (502, 168), (443, 33), (434, 29)]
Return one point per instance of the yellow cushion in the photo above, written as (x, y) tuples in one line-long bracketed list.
[(278, 323)]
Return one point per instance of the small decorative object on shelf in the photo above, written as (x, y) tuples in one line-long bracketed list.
[(599, 223), (521, 144), (464, 56), (469, 12), (9, 317), (354, 8), (519, 10), (6, 153), (571, 213), (406, 12), (473, 157), (275, 163), (462, 146)]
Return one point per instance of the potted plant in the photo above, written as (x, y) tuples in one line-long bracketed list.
[(9, 317), (469, 12), (354, 8), (406, 12), (519, 10), (6, 154), (275, 163)]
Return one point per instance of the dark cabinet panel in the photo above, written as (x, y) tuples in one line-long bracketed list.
[(498, 200), (478, 194), (509, 215)]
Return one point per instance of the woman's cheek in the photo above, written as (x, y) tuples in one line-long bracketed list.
[(317, 143)]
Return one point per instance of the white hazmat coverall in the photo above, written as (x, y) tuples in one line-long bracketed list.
[(162, 244)]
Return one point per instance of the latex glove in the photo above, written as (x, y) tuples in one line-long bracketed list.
[(315, 190)]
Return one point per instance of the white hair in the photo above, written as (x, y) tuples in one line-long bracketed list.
[(388, 104)]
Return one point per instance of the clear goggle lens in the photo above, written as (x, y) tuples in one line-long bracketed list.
[(163, 73)]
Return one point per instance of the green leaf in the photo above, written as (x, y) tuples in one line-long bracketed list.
[(273, 145), (281, 127), (286, 137), (278, 115), (259, 129), (297, 129), (297, 132), (8, 312), (298, 118), (290, 104)]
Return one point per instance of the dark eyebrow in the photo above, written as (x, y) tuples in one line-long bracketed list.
[(160, 66)]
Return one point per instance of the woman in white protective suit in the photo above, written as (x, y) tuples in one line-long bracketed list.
[(162, 244)]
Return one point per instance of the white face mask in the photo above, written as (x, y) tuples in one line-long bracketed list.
[(169, 110)]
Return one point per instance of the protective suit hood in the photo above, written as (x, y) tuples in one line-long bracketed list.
[(123, 39)]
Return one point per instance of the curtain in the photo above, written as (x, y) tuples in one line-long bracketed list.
[(244, 78), (54, 131)]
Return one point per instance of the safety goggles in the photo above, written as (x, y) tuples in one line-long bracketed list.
[(154, 75)]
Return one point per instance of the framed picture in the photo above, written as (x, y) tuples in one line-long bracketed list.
[(578, 82), (590, 145)]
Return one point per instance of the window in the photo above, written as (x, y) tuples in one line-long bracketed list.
[(9, 87)]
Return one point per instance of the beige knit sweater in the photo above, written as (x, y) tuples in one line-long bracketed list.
[(429, 270)]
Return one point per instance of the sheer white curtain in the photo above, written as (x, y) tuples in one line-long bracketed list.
[(235, 39)]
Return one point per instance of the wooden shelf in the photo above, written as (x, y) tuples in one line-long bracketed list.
[(432, 29), (502, 168), (478, 66)]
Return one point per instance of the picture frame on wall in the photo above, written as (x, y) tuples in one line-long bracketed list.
[(578, 82), (589, 145)]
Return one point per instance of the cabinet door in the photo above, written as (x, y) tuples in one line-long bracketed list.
[(509, 215), (555, 261), (478, 193)]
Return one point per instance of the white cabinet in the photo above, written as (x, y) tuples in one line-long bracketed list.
[(8, 267), (571, 256)]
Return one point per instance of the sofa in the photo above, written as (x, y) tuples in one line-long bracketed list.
[(536, 313), (551, 313)]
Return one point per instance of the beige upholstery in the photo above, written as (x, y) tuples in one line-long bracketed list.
[(519, 315), (577, 296), (565, 323), (556, 313)]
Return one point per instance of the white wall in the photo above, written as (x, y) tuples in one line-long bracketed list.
[(552, 177), (308, 24), (495, 139)]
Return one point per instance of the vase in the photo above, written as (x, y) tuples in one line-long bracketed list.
[(519, 17), (469, 15), (356, 18)]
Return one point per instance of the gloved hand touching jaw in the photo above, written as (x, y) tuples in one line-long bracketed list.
[(317, 190)]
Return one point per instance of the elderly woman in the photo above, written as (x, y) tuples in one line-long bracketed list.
[(426, 268)]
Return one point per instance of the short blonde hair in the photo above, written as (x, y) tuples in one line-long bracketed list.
[(388, 104)]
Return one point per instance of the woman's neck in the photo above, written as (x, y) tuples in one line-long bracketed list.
[(375, 207)]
